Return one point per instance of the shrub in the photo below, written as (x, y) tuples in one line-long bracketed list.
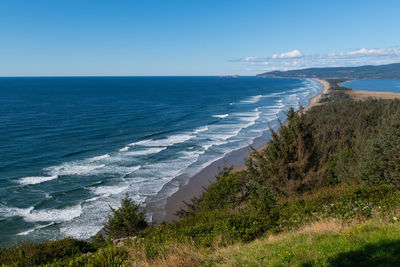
[(109, 257), (125, 221), (98, 241), (381, 161), (30, 254)]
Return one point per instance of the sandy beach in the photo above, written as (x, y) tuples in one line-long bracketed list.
[(236, 159), (363, 95), (316, 99)]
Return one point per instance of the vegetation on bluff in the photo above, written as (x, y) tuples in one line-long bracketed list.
[(125, 221), (338, 161)]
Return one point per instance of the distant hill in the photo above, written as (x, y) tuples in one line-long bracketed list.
[(390, 71)]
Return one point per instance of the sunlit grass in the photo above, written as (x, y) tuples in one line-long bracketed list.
[(367, 244)]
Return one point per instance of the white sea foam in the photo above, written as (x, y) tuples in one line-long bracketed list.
[(99, 158), (30, 180), (221, 116), (45, 215), (200, 129), (116, 169), (27, 232), (165, 142), (145, 152), (292, 100), (206, 146), (94, 198), (83, 230), (249, 118), (295, 90), (124, 149), (36, 228), (257, 98), (53, 215), (244, 114), (74, 168), (110, 190), (169, 141), (13, 211), (252, 99)]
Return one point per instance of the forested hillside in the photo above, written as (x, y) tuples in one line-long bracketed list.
[(390, 71)]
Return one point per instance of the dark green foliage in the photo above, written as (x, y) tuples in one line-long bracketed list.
[(98, 241), (343, 202), (286, 160), (381, 161), (322, 146), (314, 159), (227, 191), (384, 253), (125, 221), (262, 200), (334, 96), (389, 71), (30, 254), (110, 256), (339, 166), (335, 84)]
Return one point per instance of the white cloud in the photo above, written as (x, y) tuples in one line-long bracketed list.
[(295, 59), (291, 54), (364, 52)]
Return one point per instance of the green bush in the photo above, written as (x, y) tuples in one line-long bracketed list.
[(109, 257), (339, 167), (125, 221), (381, 161), (30, 254)]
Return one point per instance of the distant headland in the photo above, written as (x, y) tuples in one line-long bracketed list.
[(389, 71)]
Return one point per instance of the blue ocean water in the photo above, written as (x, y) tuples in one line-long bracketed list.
[(374, 85), (72, 147)]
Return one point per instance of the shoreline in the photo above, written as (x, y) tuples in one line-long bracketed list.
[(196, 184)]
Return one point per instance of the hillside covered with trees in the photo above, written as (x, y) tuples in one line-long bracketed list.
[(389, 71)]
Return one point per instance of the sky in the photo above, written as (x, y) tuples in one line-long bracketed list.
[(188, 37)]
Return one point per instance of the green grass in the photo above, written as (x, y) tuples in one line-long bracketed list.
[(367, 244)]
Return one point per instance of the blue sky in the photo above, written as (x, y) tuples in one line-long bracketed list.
[(104, 37)]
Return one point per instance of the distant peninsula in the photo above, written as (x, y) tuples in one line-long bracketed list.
[(389, 71)]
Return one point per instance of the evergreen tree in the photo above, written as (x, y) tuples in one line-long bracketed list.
[(125, 221)]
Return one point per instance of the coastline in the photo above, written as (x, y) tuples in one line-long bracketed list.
[(197, 183)]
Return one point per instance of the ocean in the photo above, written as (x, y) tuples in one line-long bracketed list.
[(380, 85), (71, 147)]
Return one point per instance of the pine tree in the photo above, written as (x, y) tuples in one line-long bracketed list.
[(125, 221)]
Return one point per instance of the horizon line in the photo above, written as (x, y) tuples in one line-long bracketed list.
[(61, 76)]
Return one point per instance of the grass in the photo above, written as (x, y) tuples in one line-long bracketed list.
[(326, 243)]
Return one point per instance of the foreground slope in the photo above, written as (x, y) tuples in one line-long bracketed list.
[(326, 243)]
